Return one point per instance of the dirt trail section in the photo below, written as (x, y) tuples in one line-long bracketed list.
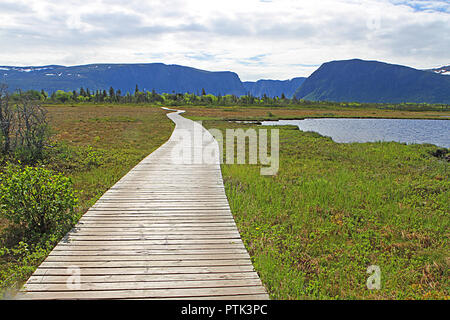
[(164, 231)]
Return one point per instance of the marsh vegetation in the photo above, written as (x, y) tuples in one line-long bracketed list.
[(311, 230)]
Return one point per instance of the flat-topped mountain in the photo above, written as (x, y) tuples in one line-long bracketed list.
[(372, 81), (154, 76), (157, 76)]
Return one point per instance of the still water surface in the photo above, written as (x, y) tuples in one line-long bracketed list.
[(370, 130)]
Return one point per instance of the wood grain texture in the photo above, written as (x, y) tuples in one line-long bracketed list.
[(164, 231)]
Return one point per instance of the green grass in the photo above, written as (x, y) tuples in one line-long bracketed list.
[(334, 209)]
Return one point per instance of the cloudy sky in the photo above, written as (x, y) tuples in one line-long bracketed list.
[(270, 39)]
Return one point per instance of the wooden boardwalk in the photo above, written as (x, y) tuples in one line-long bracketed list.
[(164, 231)]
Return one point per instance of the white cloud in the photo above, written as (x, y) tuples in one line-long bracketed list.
[(290, 37)]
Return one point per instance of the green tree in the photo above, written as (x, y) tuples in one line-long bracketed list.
[(62, 96), (112, 94), (44, 94), (136, 90)]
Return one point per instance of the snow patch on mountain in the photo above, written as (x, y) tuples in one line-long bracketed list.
[(445, 70)]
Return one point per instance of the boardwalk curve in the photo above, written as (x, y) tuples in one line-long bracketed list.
[(163, 231)]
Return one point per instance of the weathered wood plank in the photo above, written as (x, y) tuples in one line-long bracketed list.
[(81, 251), (158, 225), (145, 270), (48, 264), (143, 285), (134, 278), (155, 244), (111, 236), (150, 232), (159, 219), (145, 294), (166, 257)]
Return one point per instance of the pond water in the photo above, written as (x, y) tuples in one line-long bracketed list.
[(436, 132)]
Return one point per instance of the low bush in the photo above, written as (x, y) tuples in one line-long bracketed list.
[(37, 201)]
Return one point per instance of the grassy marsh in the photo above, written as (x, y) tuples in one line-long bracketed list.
[(334, 209)]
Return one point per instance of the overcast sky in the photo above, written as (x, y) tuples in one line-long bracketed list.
[(258, 39)]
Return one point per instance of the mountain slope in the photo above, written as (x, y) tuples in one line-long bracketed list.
[(273, 88), (372, 81), (158, 76)]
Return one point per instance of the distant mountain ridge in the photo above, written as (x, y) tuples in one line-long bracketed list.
[(372, 81), (152, 76), (273, 88), (347, 80), (158, 76)]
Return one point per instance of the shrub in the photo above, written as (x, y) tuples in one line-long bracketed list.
[(92, 158), (24, 129), (37, 201), (32, 131), (6, 119)]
